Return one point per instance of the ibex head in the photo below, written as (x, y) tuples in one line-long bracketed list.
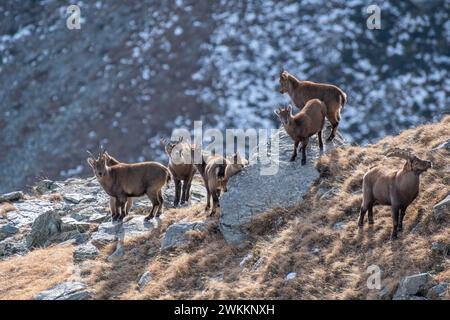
[(284, 114), (98, 165), (413, 162)]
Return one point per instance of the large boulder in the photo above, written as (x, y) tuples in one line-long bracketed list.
[(177, 234), (12, 196), (442, 209), (44, 227), (414, 285), (70, 290), (256, 188)]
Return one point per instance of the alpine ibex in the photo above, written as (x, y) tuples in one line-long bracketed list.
[(302, 91), (181, 167), (300, 127), (215, 171), (111, 161), (393, 188), (122, 181)]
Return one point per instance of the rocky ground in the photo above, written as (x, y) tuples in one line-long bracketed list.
[(189, 246)]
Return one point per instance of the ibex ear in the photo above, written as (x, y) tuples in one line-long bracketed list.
[(180, 139), (277, 112), (289, 108), (91, 162), (283, 74)]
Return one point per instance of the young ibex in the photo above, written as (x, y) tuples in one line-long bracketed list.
[(300, 127), (215, 171), (122, 181), (396, 189), (302, 91), (111, 161), (181, 167)]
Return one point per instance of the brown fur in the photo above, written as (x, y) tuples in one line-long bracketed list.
[(302, 91), (215, 171), (397, 189), (300, 127), (181, 172), (122, 181), (111, 161)]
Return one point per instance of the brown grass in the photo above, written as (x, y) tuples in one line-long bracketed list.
[(53, 197), (5, 208), (24, 277), (330, 263)]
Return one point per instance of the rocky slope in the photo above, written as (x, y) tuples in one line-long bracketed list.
[(137, 70), (58, 242)]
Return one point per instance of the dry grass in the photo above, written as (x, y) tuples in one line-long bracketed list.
[(24, 277), (330, 263), (53, 197), (5, 208)]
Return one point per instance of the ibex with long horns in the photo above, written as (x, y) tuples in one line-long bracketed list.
[(397, 189)]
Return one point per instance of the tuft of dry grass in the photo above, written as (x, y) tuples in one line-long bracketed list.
[(53, 197), (24, 277), (5, 208)]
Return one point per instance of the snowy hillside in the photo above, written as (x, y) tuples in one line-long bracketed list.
[(136, 71)]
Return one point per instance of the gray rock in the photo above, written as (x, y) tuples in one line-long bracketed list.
[(90, 215), (413, 285), (69, 224), (73, 197), (339, 225), (176, 234), (439, 248), (27, 212), (45, 186), (291, 276), (7, 230), (44, 227), (111, 231), (442, 209), (118, 253), (144, 280), (438, 292), (69, 290), (255, 189), (85, 252), (10, 246), (245, 261), (12, 196)]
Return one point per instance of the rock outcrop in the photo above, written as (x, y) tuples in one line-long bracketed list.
[(250, 192), (70, 290)]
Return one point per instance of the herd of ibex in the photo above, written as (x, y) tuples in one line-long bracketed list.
[(316, 101)]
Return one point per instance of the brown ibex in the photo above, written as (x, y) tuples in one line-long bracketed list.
[(181, 167), (300, 127), (111, 161), (302, 91), (393, 188), (215, 171), (122, 181)]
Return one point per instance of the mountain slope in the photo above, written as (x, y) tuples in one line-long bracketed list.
[(313, 250)]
